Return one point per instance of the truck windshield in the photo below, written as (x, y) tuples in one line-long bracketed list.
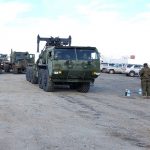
[(84, 54), (20, 56), (75, 53), (64, 54)]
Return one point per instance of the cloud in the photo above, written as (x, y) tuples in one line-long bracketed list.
[(98, 6), (11, 10)]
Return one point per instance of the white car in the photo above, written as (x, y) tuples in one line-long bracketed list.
[(112, 68), (133, 69)]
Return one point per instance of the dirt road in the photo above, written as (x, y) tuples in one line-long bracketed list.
[(103, 119)]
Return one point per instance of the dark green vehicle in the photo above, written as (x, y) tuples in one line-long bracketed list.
[(3, 59), (19, 61), (62, 64)]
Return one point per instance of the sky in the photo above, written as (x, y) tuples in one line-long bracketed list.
[(118, 28)]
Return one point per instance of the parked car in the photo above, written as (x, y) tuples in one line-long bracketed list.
[(112, 68), (133, 69), (103, 67)]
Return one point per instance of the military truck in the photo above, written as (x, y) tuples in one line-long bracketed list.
[(3, 61), (59, 63), (19, 61)]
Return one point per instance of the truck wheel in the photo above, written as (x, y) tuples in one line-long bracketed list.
[(48, 85), (84, 87), (34, 79), (27, 74), (40, 79)]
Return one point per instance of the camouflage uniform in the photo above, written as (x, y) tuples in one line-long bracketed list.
[(145, 80)]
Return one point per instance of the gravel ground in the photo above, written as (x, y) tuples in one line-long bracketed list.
[(103, 119)]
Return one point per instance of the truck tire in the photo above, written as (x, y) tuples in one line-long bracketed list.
[(48, 85), (84, 87), (27, 74), (40, 78), (30, 74), (34, 79)]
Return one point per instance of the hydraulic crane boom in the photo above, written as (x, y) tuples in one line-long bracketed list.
[(54, 41)]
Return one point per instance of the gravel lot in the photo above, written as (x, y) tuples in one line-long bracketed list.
[(103, 119)]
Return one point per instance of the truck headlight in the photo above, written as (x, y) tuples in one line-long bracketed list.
[(96, 73), (57, 72)]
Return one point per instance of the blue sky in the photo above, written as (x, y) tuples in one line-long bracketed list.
[(116, 27), (55, 8)]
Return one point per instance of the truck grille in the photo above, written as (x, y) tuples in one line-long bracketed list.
[(78, 74)]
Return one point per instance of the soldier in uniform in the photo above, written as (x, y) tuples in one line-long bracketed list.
[(145, 80)]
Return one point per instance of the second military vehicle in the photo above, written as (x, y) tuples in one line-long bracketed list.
[(19, 61), (60, 63)]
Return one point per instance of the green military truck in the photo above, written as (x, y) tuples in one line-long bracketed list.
[(19, 61), (59, 63), (3, 59)]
